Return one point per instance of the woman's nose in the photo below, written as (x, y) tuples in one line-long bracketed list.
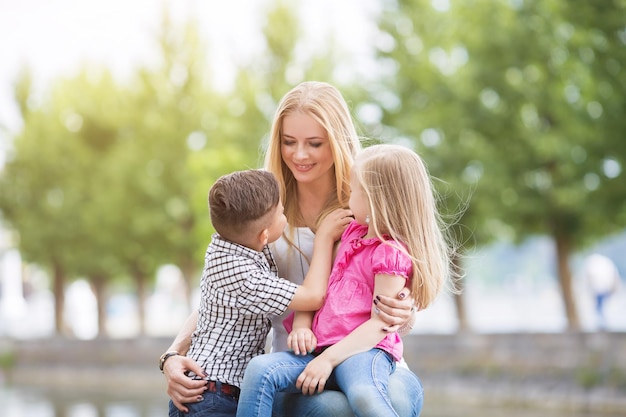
[(301, 152)]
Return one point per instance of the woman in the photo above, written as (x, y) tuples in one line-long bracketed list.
[(311, 150)]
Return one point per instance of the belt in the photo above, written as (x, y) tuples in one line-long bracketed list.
[(224, 388)]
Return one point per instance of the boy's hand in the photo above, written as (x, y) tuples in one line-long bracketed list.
[(334, 224), (302, 341)]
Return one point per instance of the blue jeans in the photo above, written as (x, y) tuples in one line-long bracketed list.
[(214, 404), (363, 378), (405, 391)]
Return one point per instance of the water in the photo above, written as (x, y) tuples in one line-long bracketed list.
[(28, 402)]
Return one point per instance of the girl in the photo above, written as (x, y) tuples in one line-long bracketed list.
[(394, 240)]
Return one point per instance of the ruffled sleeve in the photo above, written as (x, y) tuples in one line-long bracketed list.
[(390, 260)]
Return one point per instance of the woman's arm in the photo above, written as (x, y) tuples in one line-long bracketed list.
[(361, 339), (407, 326), (182, 342), (180, 388)]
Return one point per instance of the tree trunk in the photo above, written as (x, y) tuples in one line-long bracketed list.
[(98, 285), (189, 270), (140, 282), (58, 284), (565, 281), (459, 298)]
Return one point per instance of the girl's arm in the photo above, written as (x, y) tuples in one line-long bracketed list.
[(361, 339), (301, 339)]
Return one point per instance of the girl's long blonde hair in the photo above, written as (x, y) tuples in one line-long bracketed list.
[(324, 103), (403, 205)]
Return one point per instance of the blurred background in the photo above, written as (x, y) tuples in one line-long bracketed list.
[(116, 118)]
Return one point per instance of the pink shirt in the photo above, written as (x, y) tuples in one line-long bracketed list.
[(350, 293)]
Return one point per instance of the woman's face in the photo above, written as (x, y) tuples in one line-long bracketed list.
[(305, 148)]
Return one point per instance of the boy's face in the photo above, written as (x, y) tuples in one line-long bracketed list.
[(278, 221)]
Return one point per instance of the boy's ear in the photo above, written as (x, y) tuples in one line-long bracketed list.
[(264, 236)]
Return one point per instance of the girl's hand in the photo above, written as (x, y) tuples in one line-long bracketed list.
[(302, 341), (334, 224), (396, 312), (314, 376)]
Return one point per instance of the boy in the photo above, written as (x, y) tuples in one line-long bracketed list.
[(239, 285)]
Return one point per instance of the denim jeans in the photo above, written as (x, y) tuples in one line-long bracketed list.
[(405, 391), (362, 377), (214, 404)]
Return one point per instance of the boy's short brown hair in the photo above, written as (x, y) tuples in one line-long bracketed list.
[(238, 199)]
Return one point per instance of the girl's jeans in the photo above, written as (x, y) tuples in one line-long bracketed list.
[(405, 390), (363, 378)]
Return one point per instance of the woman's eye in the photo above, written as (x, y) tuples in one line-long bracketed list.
[(288, 142), (316, 144)]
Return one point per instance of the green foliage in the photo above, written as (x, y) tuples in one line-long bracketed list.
[(108, 179), (518, 104), (7, 357), (517, 107), (102, 180)]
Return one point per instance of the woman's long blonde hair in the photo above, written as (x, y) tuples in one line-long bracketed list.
[(403, 205), (324, 103)]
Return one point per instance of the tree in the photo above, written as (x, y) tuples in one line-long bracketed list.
[(48, 184), (522, 103)]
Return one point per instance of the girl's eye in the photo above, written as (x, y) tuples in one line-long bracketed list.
[(288, 142), (316, 144)]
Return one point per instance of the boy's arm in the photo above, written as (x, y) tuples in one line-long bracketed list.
[(361, 339), (310, 295), (301, 339)]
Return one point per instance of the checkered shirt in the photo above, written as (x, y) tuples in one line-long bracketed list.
[(239, 292)]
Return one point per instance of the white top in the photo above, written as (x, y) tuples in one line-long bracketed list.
[(293, 266)]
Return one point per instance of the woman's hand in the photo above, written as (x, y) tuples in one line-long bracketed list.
[(396, 312), (302, 341), (180, 388)]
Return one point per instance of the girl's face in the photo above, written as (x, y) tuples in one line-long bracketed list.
[(359, 203), (305, 148)]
